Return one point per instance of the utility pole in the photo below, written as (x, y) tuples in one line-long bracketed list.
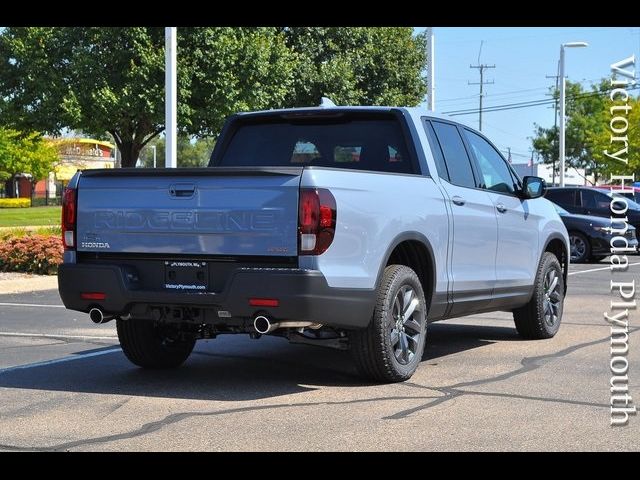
[(555, 125), (481, 68)]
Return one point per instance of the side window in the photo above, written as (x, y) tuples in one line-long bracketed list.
[(436, 150), (562, 197), (495, 172), (591, 199), (455, 155)]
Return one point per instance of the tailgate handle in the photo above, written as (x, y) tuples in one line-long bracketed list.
[(182, 190)]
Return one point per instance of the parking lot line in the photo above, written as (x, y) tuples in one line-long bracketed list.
[(597, 269), (54, 336), (8, 304), (60, 360)]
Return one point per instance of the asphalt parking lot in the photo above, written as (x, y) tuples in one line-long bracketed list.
[(65, 385)]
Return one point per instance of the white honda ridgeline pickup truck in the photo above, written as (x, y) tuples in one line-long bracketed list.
[(347, 227)]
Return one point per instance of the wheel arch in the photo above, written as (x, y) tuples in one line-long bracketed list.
[(557, 244), (414, 250)]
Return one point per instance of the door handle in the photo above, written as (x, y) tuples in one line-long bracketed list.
[(182, 190), (458, 200), (501, 208)]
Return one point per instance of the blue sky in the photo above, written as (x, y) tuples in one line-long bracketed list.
[(523, 56)]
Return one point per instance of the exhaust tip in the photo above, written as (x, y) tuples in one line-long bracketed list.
[(262, 324), (96, 315)]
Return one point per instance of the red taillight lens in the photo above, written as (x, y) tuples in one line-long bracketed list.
[(69, 218), (316, 221)]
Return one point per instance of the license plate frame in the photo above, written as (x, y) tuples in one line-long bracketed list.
[(186, 275)]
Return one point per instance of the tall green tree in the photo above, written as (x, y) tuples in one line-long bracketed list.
[(357, 65), (112, 79), (227, 70), (587, 131), (94, 79), (24, 153)]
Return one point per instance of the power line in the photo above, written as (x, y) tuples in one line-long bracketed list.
[(530, 103), (508, 93)]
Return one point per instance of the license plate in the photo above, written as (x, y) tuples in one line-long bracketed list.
[(186, 275)]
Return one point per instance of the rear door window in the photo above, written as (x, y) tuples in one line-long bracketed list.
[(455, 154)]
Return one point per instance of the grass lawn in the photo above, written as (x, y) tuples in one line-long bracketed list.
[(21, 217)]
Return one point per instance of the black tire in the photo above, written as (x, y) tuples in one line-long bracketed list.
[(151, 345), (373, 348), (580, 247), (535, 320)]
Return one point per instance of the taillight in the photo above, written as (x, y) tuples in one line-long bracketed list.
[(316, 220), (69, 218)]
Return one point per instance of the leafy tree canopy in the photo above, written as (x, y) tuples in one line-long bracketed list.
[(357, 65), (20, 153), (588, 132), (111, 79)]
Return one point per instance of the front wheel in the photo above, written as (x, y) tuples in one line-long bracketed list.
[(580, 247), (153, 345), (540, 318), (390, 348)]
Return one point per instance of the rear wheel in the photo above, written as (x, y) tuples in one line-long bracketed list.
[(540, 318), (390, 348), (149, 344)]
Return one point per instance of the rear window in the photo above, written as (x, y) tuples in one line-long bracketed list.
[(362, 144)]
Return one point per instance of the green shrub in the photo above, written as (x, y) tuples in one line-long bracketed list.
[(19, 232), (15, 202), (31, 254)]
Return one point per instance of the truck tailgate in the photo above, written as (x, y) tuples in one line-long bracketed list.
[(212, 211)]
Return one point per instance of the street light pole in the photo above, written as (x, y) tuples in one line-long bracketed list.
[(431, 77), (171, 94), (563, 87), (154, 155)]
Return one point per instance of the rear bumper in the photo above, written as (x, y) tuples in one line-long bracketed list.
[(302, 294)]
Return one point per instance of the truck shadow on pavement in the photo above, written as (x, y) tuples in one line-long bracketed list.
[(235, 368)]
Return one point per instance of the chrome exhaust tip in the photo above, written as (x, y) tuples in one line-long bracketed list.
[(97, 316), (262, 325)]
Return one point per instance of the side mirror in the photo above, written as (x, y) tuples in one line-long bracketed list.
[(533, 187)]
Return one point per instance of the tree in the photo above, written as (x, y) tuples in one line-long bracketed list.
[(227, 70), (94, 79), (357, 65), (587, 131), (24, 153), (111, 79)]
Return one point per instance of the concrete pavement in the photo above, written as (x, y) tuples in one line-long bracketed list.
[(65, 385)]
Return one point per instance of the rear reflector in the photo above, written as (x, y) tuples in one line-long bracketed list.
[(93, 295), (263, 302)]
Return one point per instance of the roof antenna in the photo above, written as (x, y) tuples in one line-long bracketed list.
[(326, 102)]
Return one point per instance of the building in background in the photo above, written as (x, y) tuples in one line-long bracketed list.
[(75, 154), (572, 176)]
